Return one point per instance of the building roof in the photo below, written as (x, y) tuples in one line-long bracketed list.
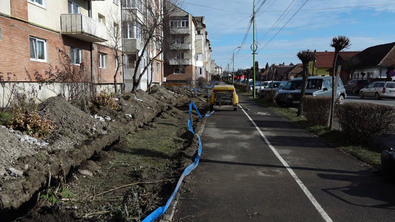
[(297, 69), (379, 55), (325, 59)]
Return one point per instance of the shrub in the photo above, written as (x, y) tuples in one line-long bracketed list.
[(105, 100), (316, 109), (27, 119), (201, 81), (32, 124), (362, 121)]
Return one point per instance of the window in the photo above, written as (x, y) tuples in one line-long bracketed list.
[(131, 61), (102, 60), (75, 56), (179, 70), (179, 23), (138, 4), (0, 34), (74, 8), (38, 49), (199, 57), (102, 18), (158, 69), (131, 30), (116, 30), (180, 55), (38, 2)]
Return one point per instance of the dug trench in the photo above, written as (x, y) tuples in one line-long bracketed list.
[(119, 174)]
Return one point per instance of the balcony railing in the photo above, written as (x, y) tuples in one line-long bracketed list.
[(83, 27), (181, 46), (180, 62), (180, 31), (132, 45)]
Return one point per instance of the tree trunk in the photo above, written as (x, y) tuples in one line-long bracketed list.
[(303, 90)]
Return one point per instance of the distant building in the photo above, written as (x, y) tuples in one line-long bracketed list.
[(189, 56), (374, 62)]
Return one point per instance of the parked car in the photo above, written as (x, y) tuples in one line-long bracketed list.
[(316, 86), (272, 88), (259, 85), (353, 86), (378, 90)]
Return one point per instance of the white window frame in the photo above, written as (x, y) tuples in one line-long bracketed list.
[(132, 30), (72, 6), (102, 60), (133, 4), (75, 56), (37, 2), (34, 45)]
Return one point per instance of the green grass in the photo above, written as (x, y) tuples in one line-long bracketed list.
[(334, 137)]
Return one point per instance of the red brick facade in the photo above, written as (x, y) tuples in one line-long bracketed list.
[(19, 9), (15, 52)]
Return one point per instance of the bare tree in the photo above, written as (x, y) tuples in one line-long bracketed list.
[(305, 56), (152, 21), (115, 43), (339, 43)]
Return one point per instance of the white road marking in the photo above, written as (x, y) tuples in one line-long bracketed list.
[(317, 206)]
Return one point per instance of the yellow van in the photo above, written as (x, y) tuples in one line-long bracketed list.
[(224, 95)]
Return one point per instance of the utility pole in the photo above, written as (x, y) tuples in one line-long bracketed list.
[(253, 50), (233, 72), (233, 60)]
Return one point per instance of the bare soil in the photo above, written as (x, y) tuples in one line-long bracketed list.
[(100, 164)]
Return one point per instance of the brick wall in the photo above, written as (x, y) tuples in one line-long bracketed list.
[(19, 9), (15, 53)]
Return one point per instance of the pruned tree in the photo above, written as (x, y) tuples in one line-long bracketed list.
[(339, 43), (305, 56)]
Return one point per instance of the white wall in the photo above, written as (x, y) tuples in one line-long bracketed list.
[(5, 7), (41, 92)]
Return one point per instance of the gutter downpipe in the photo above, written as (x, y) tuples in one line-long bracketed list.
[(92, 48)]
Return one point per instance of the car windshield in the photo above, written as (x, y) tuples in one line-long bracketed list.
[(314, 84), (292, 85)]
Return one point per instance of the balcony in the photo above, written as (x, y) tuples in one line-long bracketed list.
[(179, 31), (181, 46), (175, 62), (83, 27), (132, 45)]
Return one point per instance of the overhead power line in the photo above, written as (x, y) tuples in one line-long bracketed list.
[(285, 24)]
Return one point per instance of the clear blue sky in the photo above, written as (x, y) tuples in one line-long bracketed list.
[(285, 27)]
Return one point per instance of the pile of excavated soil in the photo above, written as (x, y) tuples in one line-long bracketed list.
[(27, 165)]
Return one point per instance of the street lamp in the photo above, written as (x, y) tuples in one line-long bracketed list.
[(233, 58)]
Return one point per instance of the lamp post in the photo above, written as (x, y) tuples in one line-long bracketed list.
[(233, 61)]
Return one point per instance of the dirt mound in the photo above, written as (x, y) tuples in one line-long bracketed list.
[(28, 167)]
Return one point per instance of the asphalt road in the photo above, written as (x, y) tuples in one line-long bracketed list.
[(278, 173)]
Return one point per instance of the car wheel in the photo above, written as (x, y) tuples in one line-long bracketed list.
[(341, 99), (377, 96), (361, 95)]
